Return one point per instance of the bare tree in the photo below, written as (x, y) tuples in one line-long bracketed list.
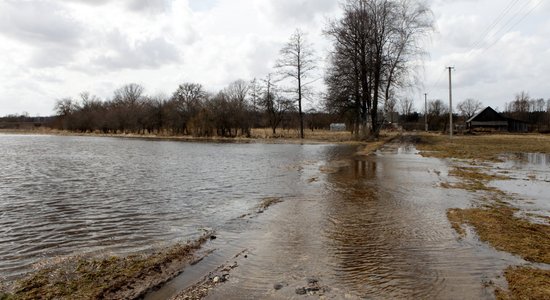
[(297, 63), (406, 106), (274, 104), (188, 100), (65, 106), (469, 107), (237, 93), (255, 92), (129, 94), (375, 41), (390, 105)]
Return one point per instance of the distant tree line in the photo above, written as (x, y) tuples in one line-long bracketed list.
[(24, 121), (190, 110), (534, 111)]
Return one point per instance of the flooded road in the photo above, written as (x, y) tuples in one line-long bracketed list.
[(372, 228)]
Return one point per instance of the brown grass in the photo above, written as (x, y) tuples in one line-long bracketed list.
[(525, 283), (316, 135), (498, 226), (482, 147), (106, 278), (473, 179)]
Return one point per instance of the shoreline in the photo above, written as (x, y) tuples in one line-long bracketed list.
[(325, 137)]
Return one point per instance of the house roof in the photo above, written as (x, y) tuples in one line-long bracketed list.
[(487, 111), (489, 114)]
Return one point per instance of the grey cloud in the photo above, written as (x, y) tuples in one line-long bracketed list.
[(90, 2), (38, 22), (151, 53), (52, 56), (155, 6), (132, 5), (300, 10)]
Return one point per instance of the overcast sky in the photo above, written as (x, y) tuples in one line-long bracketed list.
[(50, 49)]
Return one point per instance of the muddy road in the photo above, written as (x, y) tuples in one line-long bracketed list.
[(365, 227)]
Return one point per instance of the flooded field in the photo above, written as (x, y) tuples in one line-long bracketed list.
[(290, 220), (73, 195), (371, 227)]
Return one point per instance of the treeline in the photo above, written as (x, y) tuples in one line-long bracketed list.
[(24, 121), (190, 110), (533, 111)]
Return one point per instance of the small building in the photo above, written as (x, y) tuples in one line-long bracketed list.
[(489, 119), (337, 127)]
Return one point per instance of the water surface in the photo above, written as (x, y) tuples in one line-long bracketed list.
[(72, 195)]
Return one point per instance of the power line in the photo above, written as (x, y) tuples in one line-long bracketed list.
[(497, 20), (443, 72), (513, 26)]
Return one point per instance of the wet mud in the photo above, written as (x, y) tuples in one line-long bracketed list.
[(368, 227)]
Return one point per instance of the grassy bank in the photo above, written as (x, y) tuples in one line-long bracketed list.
[(112, 277), (495, 220), (482, 147)]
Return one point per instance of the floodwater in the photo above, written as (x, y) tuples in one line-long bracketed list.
[(63, 196), (528, 179), (372, 228), (350, 227)]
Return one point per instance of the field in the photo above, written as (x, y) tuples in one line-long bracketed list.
[(495, 219)]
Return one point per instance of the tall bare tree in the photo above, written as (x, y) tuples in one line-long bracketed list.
[(374, 44), (297, 62), (469, 107)]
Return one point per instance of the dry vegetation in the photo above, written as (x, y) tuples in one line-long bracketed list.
[(472, 179), (293, 134), (482, 147), (105, 278), (526, 283), (497, 225), (495, 221)]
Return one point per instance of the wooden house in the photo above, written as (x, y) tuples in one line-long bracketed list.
[(490, 120)]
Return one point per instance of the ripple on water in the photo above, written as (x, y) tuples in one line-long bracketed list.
[(72, 195)]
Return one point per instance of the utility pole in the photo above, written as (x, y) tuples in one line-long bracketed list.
[(450, 102), (426, 111)]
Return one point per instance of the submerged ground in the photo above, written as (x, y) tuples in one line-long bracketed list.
[(423, 217)]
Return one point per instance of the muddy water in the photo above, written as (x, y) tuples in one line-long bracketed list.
[(62, 196), (528, 179), (366, 228)]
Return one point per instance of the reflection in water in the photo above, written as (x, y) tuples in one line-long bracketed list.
[(377, 228), (537, 159), (389, 236)]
